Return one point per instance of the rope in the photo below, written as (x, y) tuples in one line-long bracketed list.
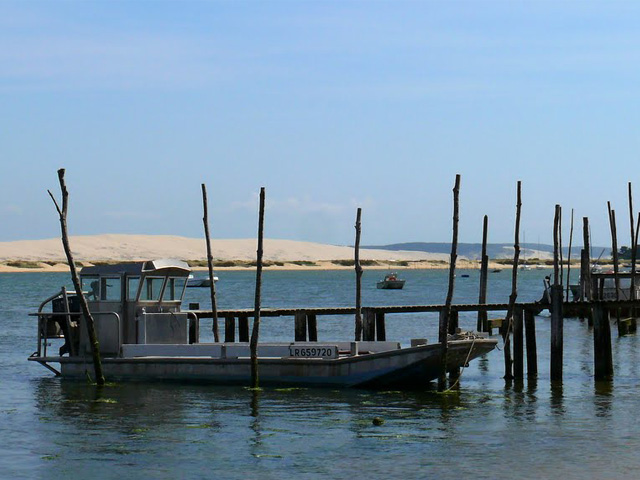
[(466, 362)]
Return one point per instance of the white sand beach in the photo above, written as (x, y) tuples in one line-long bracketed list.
[(120, 247)]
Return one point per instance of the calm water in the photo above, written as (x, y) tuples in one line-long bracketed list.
[(54, 429)]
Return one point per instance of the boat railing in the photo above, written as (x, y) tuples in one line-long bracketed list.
[(43, 335)]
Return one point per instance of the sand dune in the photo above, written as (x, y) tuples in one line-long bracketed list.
[(115, 247)]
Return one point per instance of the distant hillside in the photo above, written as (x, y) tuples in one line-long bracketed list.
[(494, 250)]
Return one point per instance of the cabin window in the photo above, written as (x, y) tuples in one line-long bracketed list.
[(132, 287), (110, 289), (174, 289), (151, 289), (90, 286)]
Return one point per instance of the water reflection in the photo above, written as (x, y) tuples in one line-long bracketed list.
[(603, 397)]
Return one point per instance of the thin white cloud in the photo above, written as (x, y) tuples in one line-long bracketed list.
[(11, 210)]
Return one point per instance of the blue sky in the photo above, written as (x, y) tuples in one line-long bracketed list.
[(329, 105)]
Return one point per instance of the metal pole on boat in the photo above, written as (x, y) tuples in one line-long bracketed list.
[(212, 284), (358, 335), (446, 314), (91, 330), (256, 319)]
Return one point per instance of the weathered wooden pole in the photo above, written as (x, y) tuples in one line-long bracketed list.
[(602, 356), (614, 253), (506, 329), (614, 247), (569, 256), (255, 333), (212, 285), (518, 344), (444, 318), (556, 303), (88, 318), (532, 353), (358, 334), (632, 291), (585, 276), (484, 269)]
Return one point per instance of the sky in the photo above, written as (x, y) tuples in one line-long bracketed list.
[(330, 106)]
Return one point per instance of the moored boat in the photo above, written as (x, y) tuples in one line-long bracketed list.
[(144, 334), (390, 282)]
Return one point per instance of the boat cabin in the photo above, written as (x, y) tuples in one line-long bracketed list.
[(131, 303)]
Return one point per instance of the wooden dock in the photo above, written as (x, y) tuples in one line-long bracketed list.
[(520, 330)]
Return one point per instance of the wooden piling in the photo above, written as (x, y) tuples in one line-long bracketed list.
[(212, 284), (243, 328), (634, 246), (381, 331), (230, 328), (588, 287), (358, 267), (312, 325), (508, 364), (256, 319), (568, 297), (86, 313), (444, 318), (556, 303), (300, 322), (602, 356), (484, 270), (614, 253), (532, 353), (518, 344)]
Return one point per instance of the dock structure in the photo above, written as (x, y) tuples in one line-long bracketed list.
[(522, 336)]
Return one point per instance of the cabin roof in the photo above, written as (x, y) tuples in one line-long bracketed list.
[(138, 268)]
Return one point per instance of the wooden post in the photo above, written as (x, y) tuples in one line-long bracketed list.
[(602, 356), (453, 321), (444, 319), (369, 325), (67, 321), (301, 326), (508, 375), (358, 334), (532, 354), (381, 331), (212, 285), (229, 328), (484, 270), (556, 303), (634, 246), (588, 287), (256, 319), (243, 328), (312, 325), (616, 278), (569, 257), (518, 344), (88, 318)]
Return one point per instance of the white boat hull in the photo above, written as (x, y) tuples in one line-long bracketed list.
[(405, 368)]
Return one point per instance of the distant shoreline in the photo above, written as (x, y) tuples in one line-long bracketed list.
[(319, 265)]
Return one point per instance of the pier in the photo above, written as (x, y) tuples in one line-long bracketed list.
[(519, 335)]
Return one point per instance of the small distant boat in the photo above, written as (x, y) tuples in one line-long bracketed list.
[(390, 282), (496, 270), (200, 282)]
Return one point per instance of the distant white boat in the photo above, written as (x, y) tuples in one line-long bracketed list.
[(200, 282)]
